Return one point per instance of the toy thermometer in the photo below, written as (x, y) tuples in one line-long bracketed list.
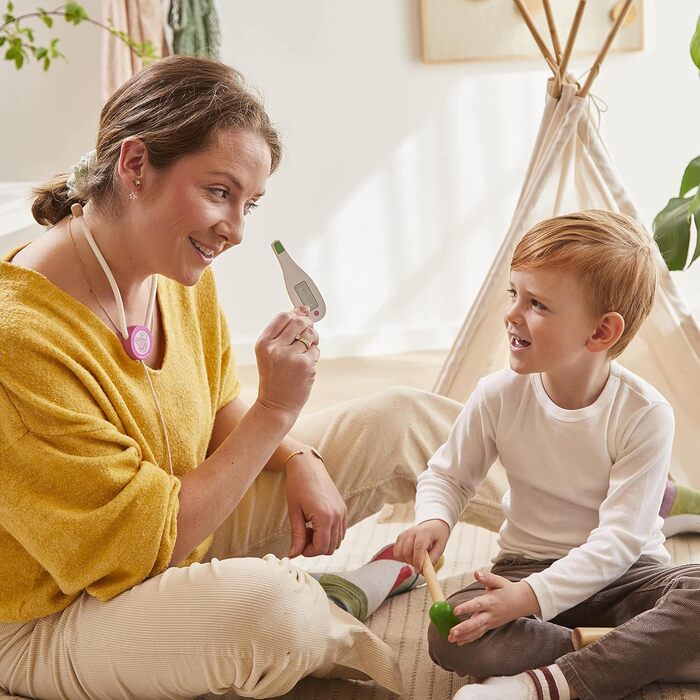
[(300, 287)]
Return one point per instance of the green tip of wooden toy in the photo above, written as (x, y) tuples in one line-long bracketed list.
[(443, 617), (277, 246)]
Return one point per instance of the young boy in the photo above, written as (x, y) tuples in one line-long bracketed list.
[(586, 446)]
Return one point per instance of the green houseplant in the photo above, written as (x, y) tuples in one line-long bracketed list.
[(17, 38), (672, 225)]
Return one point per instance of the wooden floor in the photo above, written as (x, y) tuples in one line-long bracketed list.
[(349, 377)]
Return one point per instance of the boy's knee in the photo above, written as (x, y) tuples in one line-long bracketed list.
[(688, 583), (472, 659), (440, 650)]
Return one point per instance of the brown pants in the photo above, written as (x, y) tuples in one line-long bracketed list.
[(655, 611)]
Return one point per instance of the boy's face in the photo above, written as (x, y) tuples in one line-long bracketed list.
[(548, 322)]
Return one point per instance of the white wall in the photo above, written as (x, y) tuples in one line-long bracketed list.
[(399, 178), (47, 120)]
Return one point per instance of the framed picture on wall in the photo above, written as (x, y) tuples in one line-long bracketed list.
[(477, 30)]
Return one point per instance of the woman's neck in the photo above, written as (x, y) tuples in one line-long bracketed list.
[(117, 243)]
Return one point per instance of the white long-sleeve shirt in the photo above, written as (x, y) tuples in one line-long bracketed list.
[(585, 485)]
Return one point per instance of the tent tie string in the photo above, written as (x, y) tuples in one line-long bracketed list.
[(600, 106), (596, 106)]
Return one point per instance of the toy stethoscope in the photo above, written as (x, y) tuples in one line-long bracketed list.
[(138, 339)]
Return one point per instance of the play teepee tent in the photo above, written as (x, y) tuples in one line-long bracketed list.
[(571, 169)]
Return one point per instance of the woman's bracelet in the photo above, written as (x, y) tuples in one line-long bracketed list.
[(293, 454), (313, 451)]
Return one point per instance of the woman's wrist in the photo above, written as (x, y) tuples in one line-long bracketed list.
[(278, 417)]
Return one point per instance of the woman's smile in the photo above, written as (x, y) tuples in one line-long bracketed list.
[(206, 254)]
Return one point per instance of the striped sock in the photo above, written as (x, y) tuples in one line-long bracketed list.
[(545, 683), (550, 683), (362, 591)]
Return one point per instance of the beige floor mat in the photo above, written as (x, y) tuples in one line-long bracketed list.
[(402, 622)]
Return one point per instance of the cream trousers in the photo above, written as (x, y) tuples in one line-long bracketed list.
[(239, 621)]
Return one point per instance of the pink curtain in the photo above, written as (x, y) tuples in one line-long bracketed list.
[(142, 20)]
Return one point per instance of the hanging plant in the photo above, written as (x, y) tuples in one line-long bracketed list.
[(672, 225), (19, 38)]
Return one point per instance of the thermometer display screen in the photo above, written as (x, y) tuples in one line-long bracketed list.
[(306, 296)]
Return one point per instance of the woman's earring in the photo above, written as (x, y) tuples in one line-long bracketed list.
[(137, 183)]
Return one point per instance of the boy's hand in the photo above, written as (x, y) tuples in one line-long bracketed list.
[(429, 536), (501, 602)]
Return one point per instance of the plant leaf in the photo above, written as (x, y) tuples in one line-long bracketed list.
[(694, 204), (691, 177), (696, 252), (672, 232), (695, 45), (74, 13)]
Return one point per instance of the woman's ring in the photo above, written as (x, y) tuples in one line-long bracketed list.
[(303, 340)]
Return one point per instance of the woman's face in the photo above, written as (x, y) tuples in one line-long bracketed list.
[(197, 207)]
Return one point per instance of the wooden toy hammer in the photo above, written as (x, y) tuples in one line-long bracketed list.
[(441, 612)]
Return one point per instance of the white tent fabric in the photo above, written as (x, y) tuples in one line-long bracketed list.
[(570, 169)]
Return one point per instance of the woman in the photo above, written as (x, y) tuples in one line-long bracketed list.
[(138, 489)]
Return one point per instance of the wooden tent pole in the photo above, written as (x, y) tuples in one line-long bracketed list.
[(595, 68), (571, 39), (551, 61), (554, 34), (552, 30)]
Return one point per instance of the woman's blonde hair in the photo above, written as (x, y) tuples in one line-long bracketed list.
[(610, 252), (175, 106)]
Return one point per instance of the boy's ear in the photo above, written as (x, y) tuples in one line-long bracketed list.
[(607, 332)]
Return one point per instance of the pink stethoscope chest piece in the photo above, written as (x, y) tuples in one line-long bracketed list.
[(139, 343), (137, 340)]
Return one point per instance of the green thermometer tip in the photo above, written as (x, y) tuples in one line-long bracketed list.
[(443, 617), (277, 245)]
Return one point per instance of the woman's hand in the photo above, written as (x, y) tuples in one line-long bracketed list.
[(313, 498), (501, 602), (429, 536), (287, 368)]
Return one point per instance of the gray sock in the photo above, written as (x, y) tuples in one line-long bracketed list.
[(362, 591)]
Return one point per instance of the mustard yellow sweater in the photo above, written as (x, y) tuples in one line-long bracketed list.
[(86, 499)]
